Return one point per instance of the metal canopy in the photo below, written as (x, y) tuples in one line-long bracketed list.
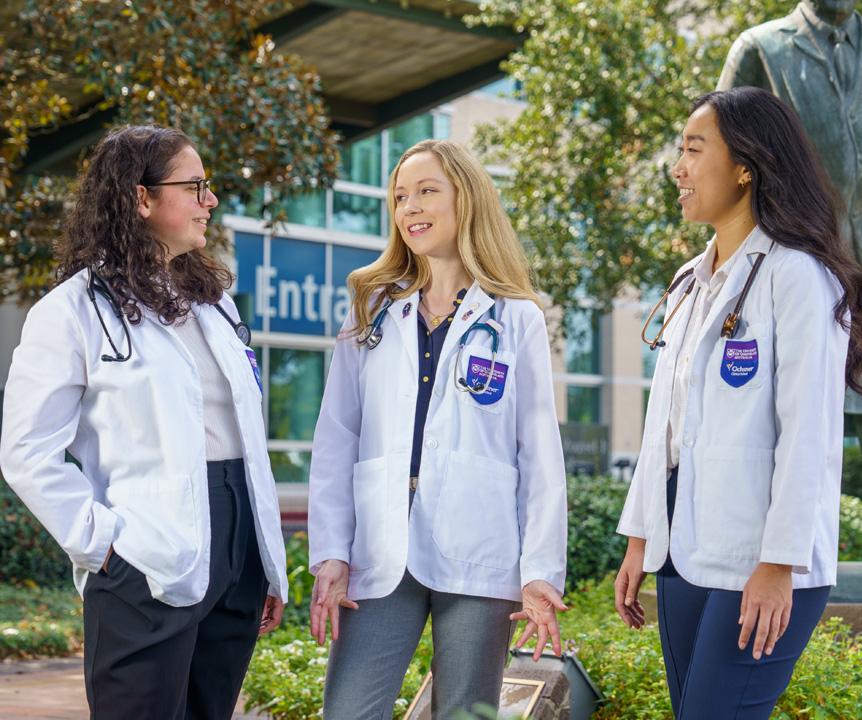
[(380, 62)]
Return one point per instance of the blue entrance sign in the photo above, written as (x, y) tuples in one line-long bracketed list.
[(303, 289)]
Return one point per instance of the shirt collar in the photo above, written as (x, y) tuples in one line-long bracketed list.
[(825, 32), (756, 242)]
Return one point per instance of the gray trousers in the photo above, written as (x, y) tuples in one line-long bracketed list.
[(368, 662)]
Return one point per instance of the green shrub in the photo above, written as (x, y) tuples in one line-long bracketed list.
[(301, 581), (594, 548), (39, 622), (827, 680), (29, 554), (286, 675), (851, 479), (850, 529)]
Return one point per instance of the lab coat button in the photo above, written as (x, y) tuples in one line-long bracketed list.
[(431, 443), (688, 441)]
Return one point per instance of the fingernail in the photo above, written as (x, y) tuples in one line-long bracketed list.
[(628, 602), (742, 646)]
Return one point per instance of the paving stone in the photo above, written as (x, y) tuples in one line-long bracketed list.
[(52, 689)]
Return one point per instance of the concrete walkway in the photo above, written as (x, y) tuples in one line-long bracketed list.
[(52, 689)]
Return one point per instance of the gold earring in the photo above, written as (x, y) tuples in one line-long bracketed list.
[(744, 181)]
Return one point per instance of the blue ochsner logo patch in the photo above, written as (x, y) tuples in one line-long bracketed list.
[(477, 375), (739, 363), (252, 358)]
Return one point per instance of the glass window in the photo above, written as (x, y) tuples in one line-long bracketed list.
[(404, 136), (360, 162), (506, 87), (583, 404), (356, 213), (295, 392), (307, 209), (442, 126), (291, 466), (582, 342)]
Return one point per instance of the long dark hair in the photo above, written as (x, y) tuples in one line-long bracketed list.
[(792, 198), (105, 231)]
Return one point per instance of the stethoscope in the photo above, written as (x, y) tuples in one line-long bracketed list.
[(371, 336), (97, 284), (731, 322)]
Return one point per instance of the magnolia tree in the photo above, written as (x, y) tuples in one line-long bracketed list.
[(608, 86), (256, 115)]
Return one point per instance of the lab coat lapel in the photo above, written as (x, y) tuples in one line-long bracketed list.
[(402, 314), (475, 304), (757, 243), (675, 331), (151, 318), (215, 329)]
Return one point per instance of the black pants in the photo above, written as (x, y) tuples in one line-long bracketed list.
[(145, 660)]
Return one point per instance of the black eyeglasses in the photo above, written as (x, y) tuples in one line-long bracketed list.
[(202, 186)]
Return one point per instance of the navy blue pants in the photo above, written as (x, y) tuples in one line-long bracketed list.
[(708, 676)]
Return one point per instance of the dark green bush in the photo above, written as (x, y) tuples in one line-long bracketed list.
[(851, 480), (594, 548), (28, 554)]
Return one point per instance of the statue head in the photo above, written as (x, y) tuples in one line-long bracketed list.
[(834, 12)]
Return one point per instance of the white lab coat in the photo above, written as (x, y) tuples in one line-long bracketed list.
[(760, 465), (137, 429), (489, 515)]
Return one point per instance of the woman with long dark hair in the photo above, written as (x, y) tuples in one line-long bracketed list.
[(735, 498), (135, 364)]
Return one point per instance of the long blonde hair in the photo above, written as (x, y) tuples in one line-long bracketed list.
[(487, 243)]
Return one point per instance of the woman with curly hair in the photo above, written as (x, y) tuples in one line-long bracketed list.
[(135, 365)]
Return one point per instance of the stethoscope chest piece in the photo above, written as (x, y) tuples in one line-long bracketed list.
[(243, 332), (372, 339)]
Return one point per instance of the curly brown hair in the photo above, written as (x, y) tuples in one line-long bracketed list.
[(105, 231)]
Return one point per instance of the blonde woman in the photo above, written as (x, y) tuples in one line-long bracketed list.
[(437, 477)]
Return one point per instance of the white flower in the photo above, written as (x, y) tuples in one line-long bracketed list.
[(11, 631)]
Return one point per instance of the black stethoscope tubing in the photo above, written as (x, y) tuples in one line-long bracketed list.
[(96, 284)]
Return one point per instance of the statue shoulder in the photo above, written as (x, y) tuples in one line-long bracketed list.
[(756, 50), (774, 33)]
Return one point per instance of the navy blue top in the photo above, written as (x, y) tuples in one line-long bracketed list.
[(430, 347)]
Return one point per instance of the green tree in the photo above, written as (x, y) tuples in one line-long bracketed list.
[(256, 115), (608, 86)]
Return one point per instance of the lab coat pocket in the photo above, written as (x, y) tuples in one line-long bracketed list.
[(369, 502), (741, 364), (476, 521), (160, 530), (474, 370), (732, 496)]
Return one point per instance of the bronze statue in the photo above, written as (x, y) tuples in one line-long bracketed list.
[(812, 59)]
